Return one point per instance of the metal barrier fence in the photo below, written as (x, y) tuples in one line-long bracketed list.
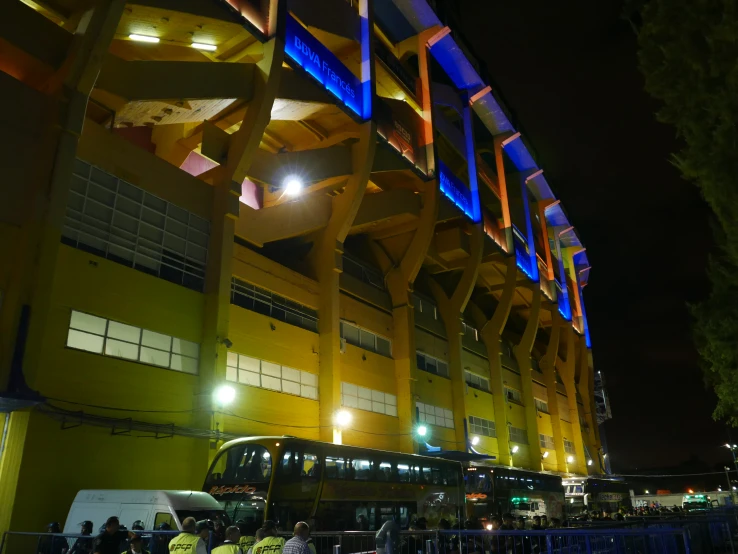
[(664, 537)]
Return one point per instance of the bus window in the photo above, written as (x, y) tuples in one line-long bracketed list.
[(310, 465), (362, 470), (427, 474), (403, 473), (450, 477), (415, 475), (335, 467), (385, 471), (286, 466), (244, 463)]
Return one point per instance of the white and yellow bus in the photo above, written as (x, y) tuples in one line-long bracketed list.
[(335, 487)]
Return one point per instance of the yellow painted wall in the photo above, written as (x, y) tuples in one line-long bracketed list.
[(481, 404), (366, 316), (57, 464), (252, 335), (431, 345)]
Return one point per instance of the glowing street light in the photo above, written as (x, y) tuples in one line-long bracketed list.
[(343, 418), (545, 454), (515, 449), (589, 462), (225, 394), (645, 492), (475, 440), (143, 38), (292, 185), (570, 459)]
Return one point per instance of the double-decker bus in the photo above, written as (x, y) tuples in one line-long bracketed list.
[(498, 489), (335, 487), (602, 495)]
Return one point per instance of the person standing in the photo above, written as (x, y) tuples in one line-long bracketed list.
[(193, 539), (298, 543), (231, 544), (109, 541), (83, 545), (271, 543), (135, 546)]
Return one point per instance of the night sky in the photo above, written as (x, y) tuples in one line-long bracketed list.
[(568, 71)]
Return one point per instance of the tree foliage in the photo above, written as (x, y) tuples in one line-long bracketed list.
[(688, 54)]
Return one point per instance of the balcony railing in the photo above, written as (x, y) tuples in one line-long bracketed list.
[(363, 272), (492, 228)]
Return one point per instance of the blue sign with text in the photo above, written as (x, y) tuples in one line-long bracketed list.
[(308, 53), (455, 190)]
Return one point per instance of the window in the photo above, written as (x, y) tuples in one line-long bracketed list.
[(435, 415), (518, 435), (123, 223), (547, 441), (164, 517), (267, 375), (568, 447), (432, 364), (118, 340), (513, 395), (541, 405), (469, 331), (366, 339), (476, 381), (335, 468), (246, 463), (257, 299), (362, 398), (425, 306), (362, 470), (363, 272), (479, 426), (310, 465)]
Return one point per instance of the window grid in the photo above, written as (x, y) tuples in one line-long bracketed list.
[(114, 219), (518, 435), (434, 415), (363, 272), (425, 306), (267, 375), (362, 398), (541, 405), (431, 364), (513, 395), (366, 340), (547, 441), (480, 426), (568, 447), (470, 331), (476, 381), (263, 301), (112, 338)]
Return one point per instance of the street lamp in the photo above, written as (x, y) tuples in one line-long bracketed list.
[(475, 440), (545, 454), (421, 431), (570, 459), (292, 185), (224, 395), (515, 449), (343, 418)]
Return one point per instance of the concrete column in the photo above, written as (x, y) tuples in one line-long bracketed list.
[(522, 354), (489, 331), (586, 389), (68, 90), (567, 369), (451, 309), (327, 260), (400, 277), (547, 364)]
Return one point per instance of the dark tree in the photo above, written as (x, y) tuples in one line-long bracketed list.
[(689, 57)]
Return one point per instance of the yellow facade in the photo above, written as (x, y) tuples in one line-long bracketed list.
[(145, 188)]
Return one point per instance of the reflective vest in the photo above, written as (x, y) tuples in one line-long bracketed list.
[(227, 548), (246, 542), (270, 545), (184, 543)]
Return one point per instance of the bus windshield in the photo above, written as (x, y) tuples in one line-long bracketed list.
[(241, 464)]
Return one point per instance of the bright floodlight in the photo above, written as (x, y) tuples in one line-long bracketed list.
[(475, 440), (225, 394), (589, 462), (422, 430), (143, 38), (570, 459), (515, 449), (727, 446), (343, 418), (646, 491), (292, 186), (545, 454)]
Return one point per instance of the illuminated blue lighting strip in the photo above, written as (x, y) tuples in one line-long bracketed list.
[(585, 324), (531, 241), (455, 190), (321, 64), (471, 161)]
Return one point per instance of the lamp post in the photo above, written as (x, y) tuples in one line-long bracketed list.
[(732, 448)]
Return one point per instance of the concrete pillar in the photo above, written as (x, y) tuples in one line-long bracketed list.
[(521, 352), (586, 389), (567, 369), (489, 331), (548, 364), (451, 309)]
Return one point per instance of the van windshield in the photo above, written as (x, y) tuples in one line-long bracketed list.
[(206, 513)]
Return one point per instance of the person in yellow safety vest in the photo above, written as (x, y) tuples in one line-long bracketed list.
[(230, 545), (249, 535), (193, 539), (271, 544), (260, 536)]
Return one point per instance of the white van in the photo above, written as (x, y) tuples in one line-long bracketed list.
[(151, 507)]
